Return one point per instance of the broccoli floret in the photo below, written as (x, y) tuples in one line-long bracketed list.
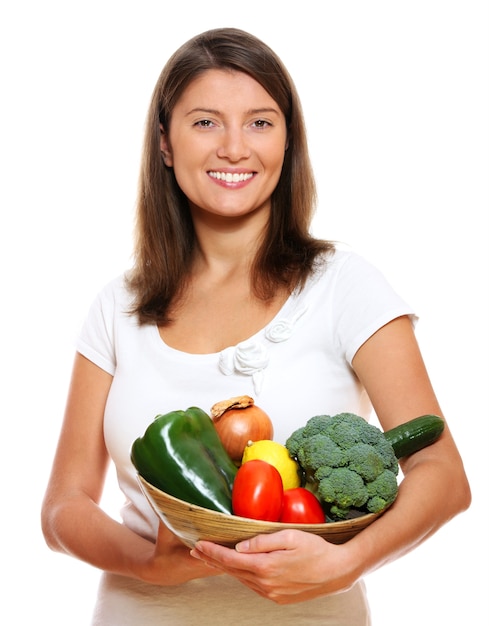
[(315, 449), (316, 425), (336, 513), (347, 429), (344, 488), (295, 441), (347, 462), (323, 472), (386, 451), (364, 459), (382, 491)]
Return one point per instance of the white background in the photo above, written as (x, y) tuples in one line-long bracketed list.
[(396, 100)]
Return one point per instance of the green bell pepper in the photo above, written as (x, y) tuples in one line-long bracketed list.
[(181, 454)]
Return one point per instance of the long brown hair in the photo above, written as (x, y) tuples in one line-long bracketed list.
[(164, 234)]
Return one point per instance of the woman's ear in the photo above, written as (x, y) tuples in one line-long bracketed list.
[(165, 148)]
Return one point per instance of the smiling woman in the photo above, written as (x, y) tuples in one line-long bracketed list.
[(231, 294)]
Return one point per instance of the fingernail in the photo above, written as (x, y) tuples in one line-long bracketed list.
[(243, 546)]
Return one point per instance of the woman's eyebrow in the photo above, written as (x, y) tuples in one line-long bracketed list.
[(249, 112)]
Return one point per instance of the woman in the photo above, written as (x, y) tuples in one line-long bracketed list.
[(231, 295)]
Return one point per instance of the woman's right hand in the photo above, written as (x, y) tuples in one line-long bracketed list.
[(171, 563)]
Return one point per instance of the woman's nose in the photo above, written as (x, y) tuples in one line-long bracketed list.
[(234, 145)]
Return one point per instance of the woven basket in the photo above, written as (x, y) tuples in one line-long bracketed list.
[(191, 522)]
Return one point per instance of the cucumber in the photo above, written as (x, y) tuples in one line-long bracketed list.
[(414, 434)]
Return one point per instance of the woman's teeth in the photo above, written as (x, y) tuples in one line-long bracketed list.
[(231, 178)]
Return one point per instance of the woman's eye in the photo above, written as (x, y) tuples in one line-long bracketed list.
[(261, 124), (204, 123)]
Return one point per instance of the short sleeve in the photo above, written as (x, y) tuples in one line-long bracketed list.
[(364, 301), (96, 340)]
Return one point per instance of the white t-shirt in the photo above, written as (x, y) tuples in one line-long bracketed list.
[(298, 366)]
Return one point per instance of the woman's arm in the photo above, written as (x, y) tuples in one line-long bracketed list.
[(72, 520), (435, 487), (290, 566)]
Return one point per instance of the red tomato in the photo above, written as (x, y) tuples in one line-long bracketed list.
[(300, 506), (258, 491)]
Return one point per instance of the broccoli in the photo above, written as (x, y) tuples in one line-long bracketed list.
[(380, 491), (347, 462), (314, 450)]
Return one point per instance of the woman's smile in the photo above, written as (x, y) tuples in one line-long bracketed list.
[(233, 178)]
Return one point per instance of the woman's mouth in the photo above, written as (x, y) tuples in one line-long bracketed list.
[(231, 177)]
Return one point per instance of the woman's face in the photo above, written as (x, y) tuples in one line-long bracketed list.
[(226, 144)]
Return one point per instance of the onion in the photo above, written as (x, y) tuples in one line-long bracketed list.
[(238, 421)]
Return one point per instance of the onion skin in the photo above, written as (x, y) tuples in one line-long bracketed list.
[(237, 426)]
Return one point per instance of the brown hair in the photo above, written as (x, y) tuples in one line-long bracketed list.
[(164, 234)]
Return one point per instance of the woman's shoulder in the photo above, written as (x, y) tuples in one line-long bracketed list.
[(346, 273), (340, 261), (114, 294)]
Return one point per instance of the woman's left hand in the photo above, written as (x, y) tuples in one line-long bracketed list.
[(288, 566)]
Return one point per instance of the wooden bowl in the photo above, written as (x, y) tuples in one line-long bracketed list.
[(191, 522)]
